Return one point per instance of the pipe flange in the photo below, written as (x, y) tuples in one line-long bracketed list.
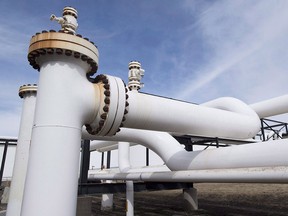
[(27, 89), (112, 106), (59, 43)]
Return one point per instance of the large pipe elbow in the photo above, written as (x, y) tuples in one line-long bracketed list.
[(251, 120), (162, 143)]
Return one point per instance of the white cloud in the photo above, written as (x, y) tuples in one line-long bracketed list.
[(245, 42)]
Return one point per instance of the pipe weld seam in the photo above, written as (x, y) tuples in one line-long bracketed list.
[(63, 126)]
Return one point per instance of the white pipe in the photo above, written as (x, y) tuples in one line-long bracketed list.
[(271, 107), (99, 144), (161, 143), (124, 166), (277, 174), (104, 146), (176, 158), (163, 114), (124, 156), (64, 104), (28, 93), (129, 198), (230, 104)]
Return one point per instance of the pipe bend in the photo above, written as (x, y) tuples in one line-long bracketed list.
[(231, 104), (162, 143), (237, 106)]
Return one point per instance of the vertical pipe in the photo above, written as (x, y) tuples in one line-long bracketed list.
[(129, 198), (102, 160), (147, 156), (124, 166), (66, 101), (3, 161), (124, 156), (108, 160), (52, 175), (28, 93), (85, 162)]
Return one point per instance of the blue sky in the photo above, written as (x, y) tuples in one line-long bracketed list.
[(190, 50)]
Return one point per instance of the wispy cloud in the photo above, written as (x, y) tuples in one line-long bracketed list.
[(234, 32)]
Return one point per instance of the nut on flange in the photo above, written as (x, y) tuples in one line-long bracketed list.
[(24, 89), (59, 43)]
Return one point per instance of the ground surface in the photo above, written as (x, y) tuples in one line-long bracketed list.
[(214, 199)]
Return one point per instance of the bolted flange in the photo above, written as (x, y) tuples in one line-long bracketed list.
[(60, 43), (27, 89), (113, 106)]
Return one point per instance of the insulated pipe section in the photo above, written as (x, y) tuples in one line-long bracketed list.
[(28, 94), (162, 114), (271, 107)]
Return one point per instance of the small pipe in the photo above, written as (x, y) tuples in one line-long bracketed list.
[(129, 198), (3, 161), (277, 174), (124, 156), (99, 144), (103, 146)]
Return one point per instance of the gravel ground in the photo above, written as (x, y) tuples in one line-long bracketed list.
[(213, 199)]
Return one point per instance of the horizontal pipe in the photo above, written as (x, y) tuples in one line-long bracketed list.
[(271, 107), (270, 153), (162, 114), (97, 145), (278, 174), (103, 146)]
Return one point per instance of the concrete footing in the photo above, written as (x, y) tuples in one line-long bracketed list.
[(107, 202), (191, 197), (5, 195)]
